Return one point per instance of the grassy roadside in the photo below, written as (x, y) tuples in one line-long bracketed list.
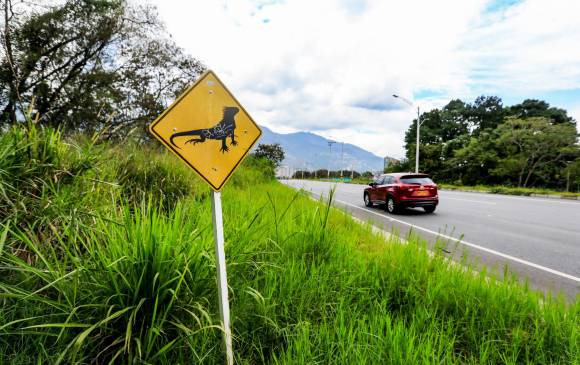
[(114, 263), (507, 190)]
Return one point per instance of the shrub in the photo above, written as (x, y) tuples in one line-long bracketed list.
[(130, 292), (254, 171), (41, 178), (143, 173)]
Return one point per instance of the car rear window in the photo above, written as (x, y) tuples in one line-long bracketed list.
[(421, 180)]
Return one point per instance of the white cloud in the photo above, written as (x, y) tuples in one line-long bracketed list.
[(332, 66), (532, 46)]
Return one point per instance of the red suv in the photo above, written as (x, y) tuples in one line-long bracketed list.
[(402, 190)]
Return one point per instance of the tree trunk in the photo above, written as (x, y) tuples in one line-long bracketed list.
[(522, 171)]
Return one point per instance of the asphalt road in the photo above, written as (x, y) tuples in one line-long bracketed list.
[(536, 238)]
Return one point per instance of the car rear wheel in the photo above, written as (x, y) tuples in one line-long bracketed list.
[(368, 201), (429, 209), (391, 206)]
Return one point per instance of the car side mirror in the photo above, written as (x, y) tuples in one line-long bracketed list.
[(372, 184)]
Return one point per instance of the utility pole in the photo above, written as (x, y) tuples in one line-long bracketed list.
[(417, 144), (341, 159), (418, 126), (330, 143)]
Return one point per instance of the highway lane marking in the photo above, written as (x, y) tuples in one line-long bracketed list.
[(473, 245), (469, 200), (525, 198)]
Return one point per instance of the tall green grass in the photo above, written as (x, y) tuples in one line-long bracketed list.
[(128, 276)]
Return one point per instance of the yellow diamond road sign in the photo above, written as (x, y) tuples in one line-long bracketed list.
[(208, 129)]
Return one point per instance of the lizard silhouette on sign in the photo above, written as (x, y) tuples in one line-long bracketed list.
[(224, 129)]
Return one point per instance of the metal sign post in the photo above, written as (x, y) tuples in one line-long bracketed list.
[(222, 282), (210, 131)]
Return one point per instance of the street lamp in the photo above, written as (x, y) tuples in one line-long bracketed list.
[(418, 126), (341, 159), (330, 143)]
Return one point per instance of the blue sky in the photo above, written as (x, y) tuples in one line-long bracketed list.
[(500, 5), (331, 66)]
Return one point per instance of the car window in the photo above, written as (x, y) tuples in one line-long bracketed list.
[(389, 180), (420, 180), (380, 180)]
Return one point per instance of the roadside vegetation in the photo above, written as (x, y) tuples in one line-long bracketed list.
[(106, 247), (508, 190), (526, 145), (106, 256)]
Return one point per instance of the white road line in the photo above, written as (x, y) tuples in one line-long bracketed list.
[(473, 201), (488, 250), (504, 196)]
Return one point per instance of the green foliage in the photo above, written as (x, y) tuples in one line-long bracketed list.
[(156, 176), (508, 190), (127, 291), (474, 161), (399, 166), (486, 113), (104, 66), (135, 282), (572, 175), (538, 108), (254, 171), (528, 144), (39, 177), (324, 174), (272, 152)]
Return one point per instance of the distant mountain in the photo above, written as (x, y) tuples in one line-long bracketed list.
[(305, 150)]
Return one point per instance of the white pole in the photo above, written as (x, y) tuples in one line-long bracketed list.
[(329, 158), (417, 151), (341, 158), (222, 279)]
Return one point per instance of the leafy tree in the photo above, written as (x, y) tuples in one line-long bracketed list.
[(531, 145), (88, 65), (471, 164), (454, 120), (572, 175), (481, 143), (539, 108), (272, 152), (438, 127), (399, 166), (487, 112)]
